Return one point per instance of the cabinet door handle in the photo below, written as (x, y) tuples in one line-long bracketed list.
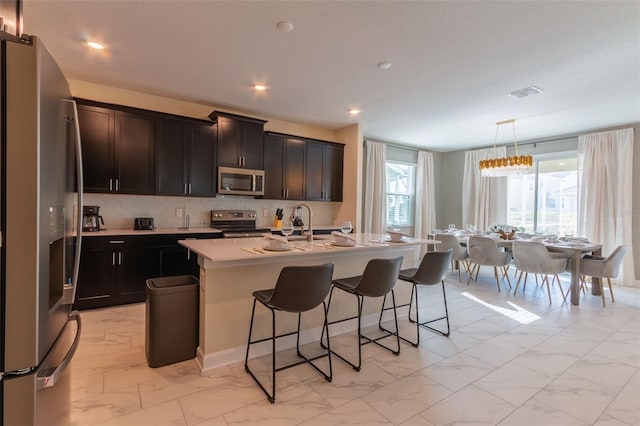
[(239, 161), (189, 189), (116, 242), (110, 184), (113, 258), (119, 258), (117, 184), (188, 254), (287, 192)]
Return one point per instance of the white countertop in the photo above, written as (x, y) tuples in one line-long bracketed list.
[(158, 231), (315, 228), (254, 248)]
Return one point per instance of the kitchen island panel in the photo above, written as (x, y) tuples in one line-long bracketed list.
[(229, 274)]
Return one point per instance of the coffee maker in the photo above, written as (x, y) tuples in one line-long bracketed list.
[(91, 218)]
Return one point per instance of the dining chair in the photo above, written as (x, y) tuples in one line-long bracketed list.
[(532, 257), (377, 280), (298, 289), (483, 251), (460, 253), (603, 267)]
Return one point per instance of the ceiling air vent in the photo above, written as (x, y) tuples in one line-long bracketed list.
[(527, 91)]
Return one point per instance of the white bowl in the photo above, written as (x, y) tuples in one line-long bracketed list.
[(395, 236), (343, 241), (277, 245)]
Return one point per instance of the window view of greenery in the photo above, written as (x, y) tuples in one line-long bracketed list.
[(400, 193), (546, 199)]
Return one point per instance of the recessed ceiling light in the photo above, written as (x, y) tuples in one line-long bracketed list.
[(527, 91), (561, 163), (285, 27), (95, 45), (384, 65), (259, 87), (354, 111)]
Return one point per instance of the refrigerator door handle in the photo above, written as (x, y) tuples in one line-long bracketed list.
[(69, 290), (53, 374)]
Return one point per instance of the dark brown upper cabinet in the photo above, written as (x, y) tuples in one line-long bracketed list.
[(117, 150), (324, 169), (240, 140), (134, 151), (284, 162), (185, 158)]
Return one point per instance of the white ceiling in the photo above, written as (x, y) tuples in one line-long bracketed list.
[(452, 61)]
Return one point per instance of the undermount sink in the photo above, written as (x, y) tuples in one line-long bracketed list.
[(322, 237), (304, 237), (296, 238)]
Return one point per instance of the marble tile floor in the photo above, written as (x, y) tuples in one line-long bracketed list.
[(510, 360)]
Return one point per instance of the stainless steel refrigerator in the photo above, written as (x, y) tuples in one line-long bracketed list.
[(40, 197)]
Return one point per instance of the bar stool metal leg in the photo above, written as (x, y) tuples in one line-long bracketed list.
[(432, 270), (361, 336), (287, 297), (378, 280)]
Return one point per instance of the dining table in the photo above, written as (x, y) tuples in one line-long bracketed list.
[(576, 251), (573, 250)]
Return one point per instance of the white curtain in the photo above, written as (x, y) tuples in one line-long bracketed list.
[(375, 203), (425, 217), (484, 199), (605, 162)]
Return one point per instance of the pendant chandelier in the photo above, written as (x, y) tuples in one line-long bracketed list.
[(506, 166)]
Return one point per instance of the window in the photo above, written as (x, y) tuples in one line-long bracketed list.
[(400, 193), (546, 199)]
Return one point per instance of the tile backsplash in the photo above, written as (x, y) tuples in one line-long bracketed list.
[(118, 211)]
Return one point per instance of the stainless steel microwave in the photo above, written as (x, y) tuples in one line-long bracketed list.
[(236, 181)]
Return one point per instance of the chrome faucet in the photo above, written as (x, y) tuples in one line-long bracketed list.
[(310, 234)]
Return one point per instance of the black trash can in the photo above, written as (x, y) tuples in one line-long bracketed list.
[(172, 318)]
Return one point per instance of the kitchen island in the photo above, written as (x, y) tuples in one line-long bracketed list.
[(232, 269)]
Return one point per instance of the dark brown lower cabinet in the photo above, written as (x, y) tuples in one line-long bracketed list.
[(96, 278), (114, 270), (178, 261)]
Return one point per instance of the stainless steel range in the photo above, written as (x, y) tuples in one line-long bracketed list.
[(237, 223)]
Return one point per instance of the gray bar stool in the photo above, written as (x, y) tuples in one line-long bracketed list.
[(432, 270), (298, 289), (377, 280)]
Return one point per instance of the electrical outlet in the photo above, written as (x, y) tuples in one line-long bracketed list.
[(265, 212), (179, 212)]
